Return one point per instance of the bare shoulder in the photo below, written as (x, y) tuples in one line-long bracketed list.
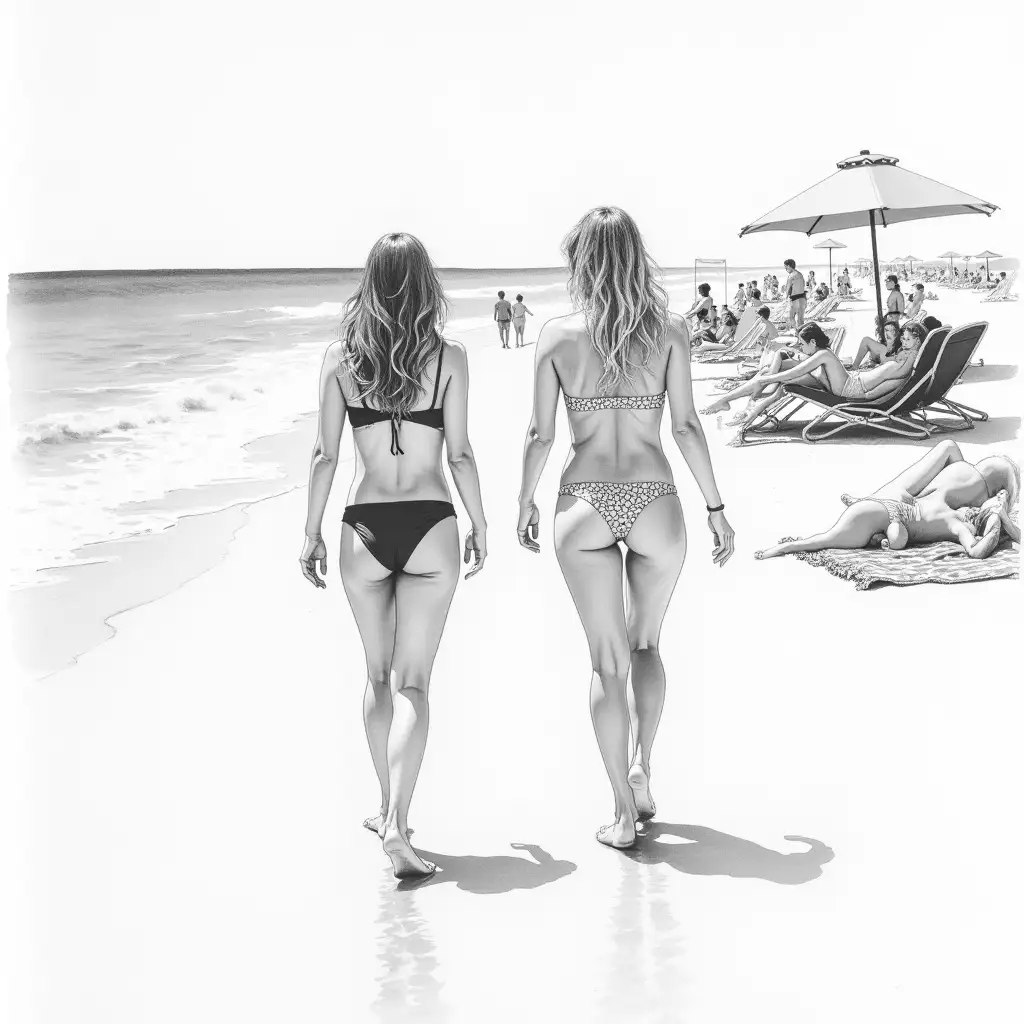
[(677, 336), (560, 331), (456, 359), (454, 350), (333, 361)]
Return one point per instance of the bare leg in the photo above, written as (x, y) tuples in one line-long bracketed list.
[(854, 529), (911, 482), (423, 594), (370, 590), (743, 391), (876, 348), (592, 566), (657, 548)]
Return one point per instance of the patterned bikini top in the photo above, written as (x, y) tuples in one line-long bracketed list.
[(615, 402)]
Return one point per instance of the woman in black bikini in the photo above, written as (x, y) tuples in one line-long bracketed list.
[(615, 360), (405, 391)]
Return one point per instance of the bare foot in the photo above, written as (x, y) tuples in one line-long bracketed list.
[(716, 407), (622, 832), (404, 859), (376, 824), (640, 783)]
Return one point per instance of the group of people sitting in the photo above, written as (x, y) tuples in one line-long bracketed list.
[(809, 360), (713, 331)]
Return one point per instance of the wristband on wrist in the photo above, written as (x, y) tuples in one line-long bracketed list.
[(717, 508)]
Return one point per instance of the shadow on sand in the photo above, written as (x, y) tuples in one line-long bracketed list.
[(707, 852), (988, 372), (487, 876)]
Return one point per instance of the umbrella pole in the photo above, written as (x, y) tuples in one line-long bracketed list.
[(878, 269), (830, 269)]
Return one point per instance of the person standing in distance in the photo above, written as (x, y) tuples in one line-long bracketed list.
[(796, 292), (895, 303), (519, 312), (503, 315)]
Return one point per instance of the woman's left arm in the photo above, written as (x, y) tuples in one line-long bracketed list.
[(540, 435), (323, 465)]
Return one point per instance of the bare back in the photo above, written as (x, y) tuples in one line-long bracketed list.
[(416, 474), (609, 444)]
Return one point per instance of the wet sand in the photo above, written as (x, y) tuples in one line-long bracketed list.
[(198, 782)]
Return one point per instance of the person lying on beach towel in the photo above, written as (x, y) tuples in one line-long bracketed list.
[(820, 366), (940, 497)]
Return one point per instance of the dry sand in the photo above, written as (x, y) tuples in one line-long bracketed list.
[(198, 782)]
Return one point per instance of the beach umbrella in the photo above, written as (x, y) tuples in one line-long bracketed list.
[(986, 256), (866, 190), (950, 256), (912, 260), (830, 244)]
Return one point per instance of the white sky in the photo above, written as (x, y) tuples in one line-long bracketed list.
[(293, 134)]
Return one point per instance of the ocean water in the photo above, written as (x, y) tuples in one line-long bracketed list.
[(128, 388)]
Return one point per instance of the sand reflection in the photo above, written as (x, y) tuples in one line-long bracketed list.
[(407, 957), (644, 976)]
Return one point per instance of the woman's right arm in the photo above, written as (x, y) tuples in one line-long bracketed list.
[(461, 459), (690, 439), (540, 436), (323, 464)]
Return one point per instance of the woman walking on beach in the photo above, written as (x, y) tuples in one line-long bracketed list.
[(404, 389), (615, 360)]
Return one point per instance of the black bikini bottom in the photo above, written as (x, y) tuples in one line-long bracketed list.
[(392, 530)]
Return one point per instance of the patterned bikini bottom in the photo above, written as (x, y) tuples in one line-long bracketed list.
[(619, 504), (899, 511)]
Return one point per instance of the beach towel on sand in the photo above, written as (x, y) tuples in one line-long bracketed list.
[(943, 562)]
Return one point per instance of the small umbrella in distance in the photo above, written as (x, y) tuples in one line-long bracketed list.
[(986, 256), (830, 244)]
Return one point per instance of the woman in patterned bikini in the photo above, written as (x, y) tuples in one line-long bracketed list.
[(615, 360), (940, 497)]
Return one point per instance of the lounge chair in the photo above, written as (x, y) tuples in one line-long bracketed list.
[(1001, 292), (743, 344), (816, 311), (957, 354), (940, 353)]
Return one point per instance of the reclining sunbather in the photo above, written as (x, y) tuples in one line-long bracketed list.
[(881, 350), (940, 497), (708, 340), (820, 366)]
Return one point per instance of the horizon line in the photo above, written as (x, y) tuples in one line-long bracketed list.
[(157, 271), (113, 272)]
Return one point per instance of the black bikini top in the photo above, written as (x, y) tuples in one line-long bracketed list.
[(363, 415)]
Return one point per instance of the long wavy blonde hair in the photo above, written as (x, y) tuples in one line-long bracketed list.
[(614, 281), (391, 327)]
